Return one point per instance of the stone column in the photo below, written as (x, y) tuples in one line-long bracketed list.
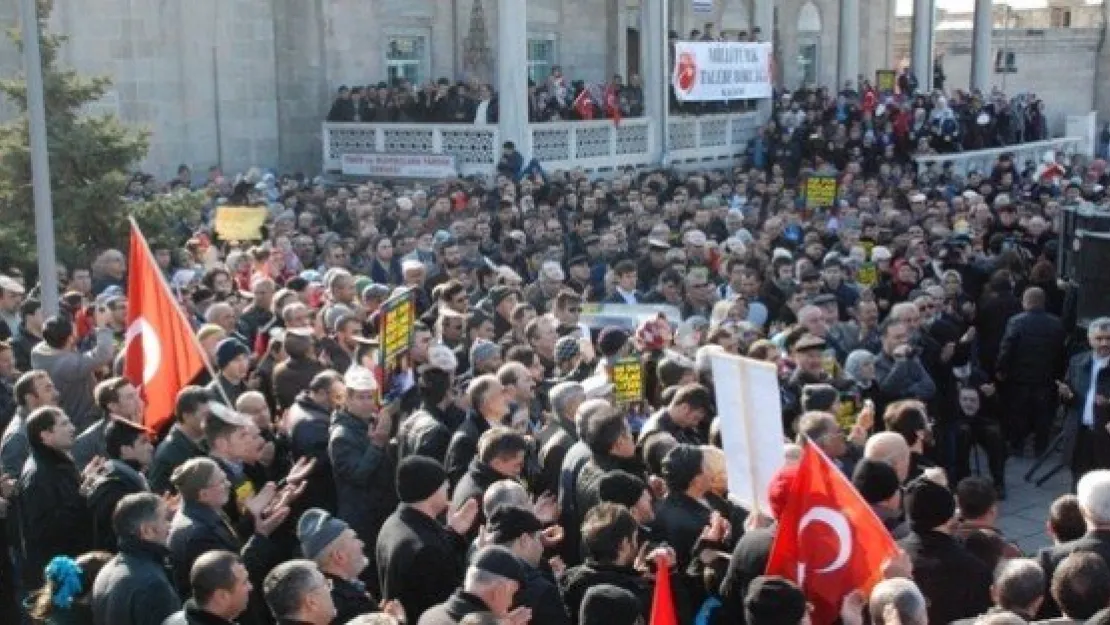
[(764, 19), (656, 76), (981, 46), (512, 75), (921, 50), (617, 24), (848, 50)]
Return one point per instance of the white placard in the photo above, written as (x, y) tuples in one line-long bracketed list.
[(750, 411), (399, 165), (704, 7), (710, 71)]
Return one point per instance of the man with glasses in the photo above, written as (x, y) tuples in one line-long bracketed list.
[(298, 593)]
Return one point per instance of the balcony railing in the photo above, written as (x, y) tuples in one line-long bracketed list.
[(982, 161), (598, 146)]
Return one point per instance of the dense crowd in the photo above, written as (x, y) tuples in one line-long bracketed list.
[(909, 322)]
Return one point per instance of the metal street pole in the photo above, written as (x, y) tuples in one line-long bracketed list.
[(40, 158)]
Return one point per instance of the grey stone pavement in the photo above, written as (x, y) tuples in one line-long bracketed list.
[(1022, 515)]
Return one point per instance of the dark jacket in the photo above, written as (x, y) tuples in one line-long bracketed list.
[(364, 476), (1078, 379), (309, 430), (197, 529), (450, 612), (1097, 541), (578, 579), (90, 444), (120, 480), (133, 587), (172, 452), (419, 561), (955, 583), (350, 599), (554, 442), (540, 594), (464, 446), (230, 391), (425, 433), (191, 614), (679, 520), (53, 516), (291, 377), (1032, 350), (253, 320), (473, 485), (749, 561), (661, 421)]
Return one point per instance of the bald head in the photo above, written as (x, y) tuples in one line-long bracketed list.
[(1033, 298), (891, 448)]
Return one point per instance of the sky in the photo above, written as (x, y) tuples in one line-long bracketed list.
[(905, 7)]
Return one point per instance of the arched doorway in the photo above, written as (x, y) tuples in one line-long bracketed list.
[(809, 43)]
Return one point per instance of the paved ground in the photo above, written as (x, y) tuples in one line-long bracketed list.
[(1026, 506)]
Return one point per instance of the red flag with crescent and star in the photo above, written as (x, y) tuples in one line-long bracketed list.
[(662, 601), (829, 541), (162, 354)]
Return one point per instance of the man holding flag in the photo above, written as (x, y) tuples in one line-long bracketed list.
[(162, 354), (829, 541)]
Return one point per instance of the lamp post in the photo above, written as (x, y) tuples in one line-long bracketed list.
[(40, 158)]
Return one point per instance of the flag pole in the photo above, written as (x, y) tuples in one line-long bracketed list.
[(192, 335)]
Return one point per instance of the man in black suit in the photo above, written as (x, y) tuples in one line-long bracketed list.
[(1030, 358), (1093, 492), (1086, 393)]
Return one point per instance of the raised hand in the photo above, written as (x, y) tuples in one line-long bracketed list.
[(462, 520)]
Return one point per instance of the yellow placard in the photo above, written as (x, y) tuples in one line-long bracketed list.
[(867, 275), (398, 319), (628, 380), (820, 191), (240, 223), (885, 80)]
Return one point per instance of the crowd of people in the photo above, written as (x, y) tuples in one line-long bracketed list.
[(911, 321)]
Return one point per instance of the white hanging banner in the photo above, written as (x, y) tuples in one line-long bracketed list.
[(704, 7), (709, 71)]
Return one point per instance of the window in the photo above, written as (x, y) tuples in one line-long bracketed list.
[(1005, 62), (541, 57), (807, 62), (406, 56), (1061, 18)]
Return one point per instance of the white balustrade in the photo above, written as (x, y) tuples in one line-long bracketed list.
[(595, 146), (475, 148), (982, 161)]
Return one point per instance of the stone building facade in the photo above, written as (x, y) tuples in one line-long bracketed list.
[(247, 82)]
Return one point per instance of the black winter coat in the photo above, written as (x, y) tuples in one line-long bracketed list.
[(473, 485), (53, 517), (955, 583), (419, 561), (364, 476), (133, 587), (578, 579), (464, 446), (1032, 350), (172, 452), (120, 480), (453, 610)]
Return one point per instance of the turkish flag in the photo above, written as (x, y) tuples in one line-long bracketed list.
[(583, 106), (829, 541), (162, 353), (662, 601), (613, 104)]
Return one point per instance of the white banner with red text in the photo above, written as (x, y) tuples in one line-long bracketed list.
[(711, 71), (399, 165)]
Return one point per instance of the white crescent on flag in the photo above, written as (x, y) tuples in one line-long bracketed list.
[(838, 523), (152, 347)]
